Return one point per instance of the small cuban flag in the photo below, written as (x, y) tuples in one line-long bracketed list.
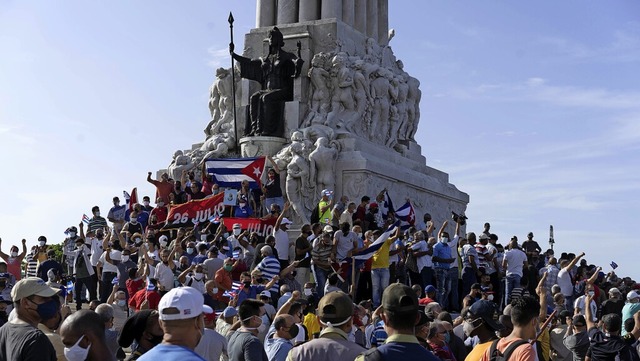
[(69, 287), (614, 265), (115, 281), (150, 286), (235, 288), (85, 218), (215, 219)]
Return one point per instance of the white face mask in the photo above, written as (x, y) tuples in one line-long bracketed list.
[(14, 254), (490, 297), (42, 243), (308, 292), (125, 258), (190, 250), (122, 303), (197, 275), (242, 204), (145, 203), (214, 290), (76, 352), (359, 234), (444, 239), (163, 243), (203, 237), (365, 319), (72, 234), (96, 214), (160, 204), (236, 232)]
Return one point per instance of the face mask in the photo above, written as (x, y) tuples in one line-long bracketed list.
[(72, 234), (197, 275), (145, 203), (225, 235), (236, 232), (365, 319), (242, 205), (360, 235), (47, 310), (591, 293), (468, 326), (190, 250), (163, 243), (14, 254), (133, 220), (97, 214), (490, 297), (122, 303), (203, 237), (246, 284), (214, 290), (125, 258), (293, 331), (447, 337), (444, 240), (160, 204), (308, 292), (76, 352), (228, 267), (42, 243)]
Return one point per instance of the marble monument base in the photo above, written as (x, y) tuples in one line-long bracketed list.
[(260, 146)]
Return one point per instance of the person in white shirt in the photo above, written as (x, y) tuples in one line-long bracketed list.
[(513, 263), (347, 215), (580, 304), (422, 251)]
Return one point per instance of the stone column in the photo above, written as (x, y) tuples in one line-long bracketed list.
[(331, 9), (348, 12), (360, 21), (372, 19), (265, 13), (287, 12), (309, 10), (383, 22)]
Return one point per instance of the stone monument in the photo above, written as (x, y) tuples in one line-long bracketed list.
[(349, 116)]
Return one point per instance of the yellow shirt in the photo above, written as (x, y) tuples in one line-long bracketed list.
[(381, 256), (311, 323), (478, 351), (325, 217)]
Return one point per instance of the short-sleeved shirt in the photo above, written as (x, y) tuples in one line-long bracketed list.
[(325, 217), (469, 250), (276, 348), (422, 261), (515, 261), (605, 347), (270, 267), (23, 342), (273, 187), (302, 243), (96, 223), (345, 243), (282, 243), (441, 250), (244, 343), (170, 353)]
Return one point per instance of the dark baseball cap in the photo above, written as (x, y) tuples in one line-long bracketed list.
[(578, 320), (335, 307), (486, 310), (399, 298)]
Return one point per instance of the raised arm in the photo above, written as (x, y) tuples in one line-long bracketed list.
[(444, 225), (24, 250), (573, 262), (295, 295), (273, 281), (154, 182), (3, 255), (541, 290), (587, 312), (183, 276), (289, 268), (594, 276), (274, 165), (281, 216)]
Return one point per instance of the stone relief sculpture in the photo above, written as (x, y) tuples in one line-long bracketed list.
[(298, 186), (322, 164), (320, 94), (220, 99), (275, 73), (342, 104), (180, 163)]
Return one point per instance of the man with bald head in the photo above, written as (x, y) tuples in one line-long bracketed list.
[(277, 344), (83, 337), (182, 320)]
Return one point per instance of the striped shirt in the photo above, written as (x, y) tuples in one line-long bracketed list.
[(321, 252), (96, 223), (482, 251), (32, 265), (269, 267)]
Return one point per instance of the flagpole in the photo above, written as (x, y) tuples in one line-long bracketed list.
[(233, 84), (353, 279)]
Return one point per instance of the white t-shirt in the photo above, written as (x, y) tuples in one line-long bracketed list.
[(282, 243), (580, 304), (564, 281), (515, 261), (453, 245), (212, 345), (493, 251), (106, 266), (164, 275), (424, 261), (96, 250)]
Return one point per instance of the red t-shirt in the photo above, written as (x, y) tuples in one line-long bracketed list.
[(425, 301), (134, 286), (163, 189), (13, 267), (161, 213), (153, 297)]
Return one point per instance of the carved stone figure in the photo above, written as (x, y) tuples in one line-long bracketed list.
[(401, 106), (297, 184), (322, 163), (275, 73), (342, 100), (179, 163), (413, 106), (382, 93), (361, 93), (320, 94)]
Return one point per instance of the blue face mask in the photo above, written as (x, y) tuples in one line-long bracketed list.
[(447, 338), (47, 310)]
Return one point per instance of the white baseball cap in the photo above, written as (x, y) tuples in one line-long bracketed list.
[(182, 303), (116, 255), (265, 293), (285, 221), (632, 295), (32, 286)]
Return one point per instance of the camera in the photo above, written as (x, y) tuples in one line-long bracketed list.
[(459, 218)]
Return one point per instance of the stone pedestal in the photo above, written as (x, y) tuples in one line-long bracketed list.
[(257, 146)]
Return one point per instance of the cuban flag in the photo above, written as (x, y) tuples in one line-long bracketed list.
[(235, 288), (387, 206), (614, 265), (85, 218), (150, 286), (215, 219), (369, 251), (406, 215), (67, 289), (131, 199), (231, 172)]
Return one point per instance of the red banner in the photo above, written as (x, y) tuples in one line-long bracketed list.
[(193, 212), (262, 227)]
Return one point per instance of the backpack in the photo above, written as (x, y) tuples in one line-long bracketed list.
[(315, 214), (372, 354), (500, 356)]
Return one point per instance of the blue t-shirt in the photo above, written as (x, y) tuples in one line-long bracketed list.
[(200, 258), (441, 250), (276, 348), (243, 212), (170, 353), (253, 293)]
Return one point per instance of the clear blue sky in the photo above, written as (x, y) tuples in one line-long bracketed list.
[(533, 108)]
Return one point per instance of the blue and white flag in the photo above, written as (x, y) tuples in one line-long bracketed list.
[(150, 286), (406, 216), (386, 206), (231, 172), (614, 265), (375, 246), (235, 288)]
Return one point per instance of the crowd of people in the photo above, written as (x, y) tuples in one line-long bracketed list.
[(354, 284)]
